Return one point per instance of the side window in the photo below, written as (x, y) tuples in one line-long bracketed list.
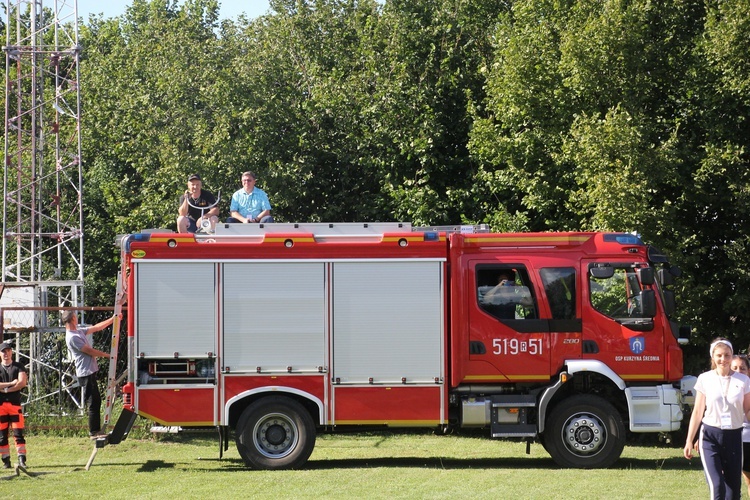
[(617, 296), (505, 292), (560, 287)]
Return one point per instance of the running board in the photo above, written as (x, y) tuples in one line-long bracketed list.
[(513, 430)]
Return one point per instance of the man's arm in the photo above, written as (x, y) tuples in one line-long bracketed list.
[(266, 205), (182, 210), (262, 214), (18, 383), (6, 385), (87, 349), (239, 217), (101, 326), (210, 199), (234, 208), (214, 212)]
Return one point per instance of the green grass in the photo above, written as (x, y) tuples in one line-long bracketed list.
[(348, 466)]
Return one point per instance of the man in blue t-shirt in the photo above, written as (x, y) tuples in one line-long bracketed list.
[(250, 204)]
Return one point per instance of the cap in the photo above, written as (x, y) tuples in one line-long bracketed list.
[(5, 345), (194, 177)]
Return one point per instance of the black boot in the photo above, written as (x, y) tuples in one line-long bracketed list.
[(6, 462), (22, 461)]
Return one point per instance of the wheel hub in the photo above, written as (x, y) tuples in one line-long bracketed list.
[(275, 436), (584, 434)]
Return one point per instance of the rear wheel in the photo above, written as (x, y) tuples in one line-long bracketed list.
[(275, 433), (585, 432)]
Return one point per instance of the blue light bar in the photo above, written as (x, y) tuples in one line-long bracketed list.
[(134, 237), (623, 238)]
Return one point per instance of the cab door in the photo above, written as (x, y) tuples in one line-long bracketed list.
[(619, 327), (509, 339)]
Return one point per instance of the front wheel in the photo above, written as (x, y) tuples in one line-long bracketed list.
[(275, 433), (585, 432)]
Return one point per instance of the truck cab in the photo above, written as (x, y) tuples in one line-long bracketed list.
[(543, 319)]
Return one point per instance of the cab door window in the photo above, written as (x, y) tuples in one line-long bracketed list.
[(617, 296), (560, 287), (505, 292)]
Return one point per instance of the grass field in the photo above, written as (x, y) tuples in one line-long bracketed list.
[(368, 466)]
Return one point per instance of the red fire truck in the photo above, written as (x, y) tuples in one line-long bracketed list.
[(278, 332)]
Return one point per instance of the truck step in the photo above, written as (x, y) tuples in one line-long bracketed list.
[(514, 401), (513, 430), (163, 429)]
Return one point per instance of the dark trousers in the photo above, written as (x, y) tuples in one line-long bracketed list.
[(721, 454), (91, 397)]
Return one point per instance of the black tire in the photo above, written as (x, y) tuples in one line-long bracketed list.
[(584, 432), (275, 433)]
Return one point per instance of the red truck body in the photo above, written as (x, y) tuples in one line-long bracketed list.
[(280, 332)]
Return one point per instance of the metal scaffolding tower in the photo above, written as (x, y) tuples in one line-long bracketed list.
[(42, 178), (42, 202)]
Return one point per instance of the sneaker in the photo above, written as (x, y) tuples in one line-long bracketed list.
[(6, 463)]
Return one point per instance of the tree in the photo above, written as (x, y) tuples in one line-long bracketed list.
[(149, 119), (529, 115), (614, 116)]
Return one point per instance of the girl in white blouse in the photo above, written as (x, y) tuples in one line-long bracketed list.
[(722, 401)]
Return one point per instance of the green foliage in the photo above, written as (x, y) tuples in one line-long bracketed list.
[(528, 115), (626, 115)]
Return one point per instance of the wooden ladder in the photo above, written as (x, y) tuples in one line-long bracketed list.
[(112, 380)]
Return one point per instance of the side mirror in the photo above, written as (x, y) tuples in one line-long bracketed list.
[(648, 304), (666, 278), (670, 305), (684, 334), (602, 272), (675, 271), (646, 275)]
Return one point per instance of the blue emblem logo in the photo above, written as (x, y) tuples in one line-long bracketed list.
[(637, 345)]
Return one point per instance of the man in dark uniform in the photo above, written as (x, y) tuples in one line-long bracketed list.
[(189, 218), (13, 378)]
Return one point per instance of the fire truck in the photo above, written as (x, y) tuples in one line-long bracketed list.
[(274, 333)]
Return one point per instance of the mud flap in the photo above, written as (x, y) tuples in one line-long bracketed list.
[(122, 427)]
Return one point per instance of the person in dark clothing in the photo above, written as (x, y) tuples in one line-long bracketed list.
[(13, 378), (196, 205)]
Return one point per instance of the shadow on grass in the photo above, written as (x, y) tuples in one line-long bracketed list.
[(511, 463), (677, 463), (153, 465)]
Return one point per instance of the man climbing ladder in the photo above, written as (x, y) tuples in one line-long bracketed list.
[(78, 340)]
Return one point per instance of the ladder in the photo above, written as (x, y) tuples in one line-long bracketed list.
[(320, 231), (112, 381), (327, 231), (126, 420)]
